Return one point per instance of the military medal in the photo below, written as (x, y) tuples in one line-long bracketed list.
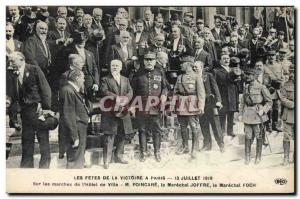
[(155, 86)]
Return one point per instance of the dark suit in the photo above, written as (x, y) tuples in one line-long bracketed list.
[(117, 53), (34, 89), (220, 36), (148, 26), (209, 46), (35, 53), (111, 125), (52, 36), (256, 50), (73, 123), (205, 58), (209, 117), (144, 38), (153, 34), (235, 51), (175, 55), (90, 70), (229, 96)]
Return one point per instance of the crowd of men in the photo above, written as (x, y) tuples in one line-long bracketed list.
[(60, 66)]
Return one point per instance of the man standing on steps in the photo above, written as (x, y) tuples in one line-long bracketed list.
[(115, 123), (255, 104), (287, 98), (190, 91), (211, 115), (150, 85)]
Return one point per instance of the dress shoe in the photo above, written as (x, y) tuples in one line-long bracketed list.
[(193, 155), (206, 148), (157, 157), (61, 156), (121, 161), (182, 150), (222, 149), (142, 157), (147, 153), (106, 166)]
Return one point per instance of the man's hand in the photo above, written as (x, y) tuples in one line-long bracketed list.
[(76, 143), (219, 105), (45, 112), (132, 110), (260, 112), (95, 87), (201, 112)]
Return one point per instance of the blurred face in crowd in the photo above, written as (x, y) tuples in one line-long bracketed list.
[(125, 37), (249, 77), (62, 12), (247, 28), (259, 65), (16, 61), (281, 37), (283, 10), (147, 15), (78, 63), (80, 80), (198, 67), (199, 42), (255, 33), (149, 63), (97, 14), (9, 31), (234, 41), (123, 24), (41, 30), (235, 27), (159, 23), (188, 18), (225, 50), (115, 66), (122, 11), (242, 31), (225, 60), (218, 23), (260, 28), (118, 17), (159, 41), (61, 24), (175, 32), (271, 58), (281, 56), (79, 13), (206, 34), (13, 11), (200, 26), (87, 20), (139, 26), (162, 58)]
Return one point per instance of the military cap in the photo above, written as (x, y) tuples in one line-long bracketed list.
[(283, 50), (221, 17), (272, 52), (187, 59), (98, 33), (174, 16), (234, 61), (246, 25), (280, 33), (150, 55), (200, 21), (190, 14), (249, 70)]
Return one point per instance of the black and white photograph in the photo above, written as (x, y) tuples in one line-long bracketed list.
[(150, 99)]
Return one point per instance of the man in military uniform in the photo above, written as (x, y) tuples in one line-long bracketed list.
[(190, 91), (211, 115), (287, 97), (275, 73), (255, 104), (149, 85)]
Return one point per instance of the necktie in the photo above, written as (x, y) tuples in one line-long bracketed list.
[(20, 78), (62, 35), (125, 52)]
